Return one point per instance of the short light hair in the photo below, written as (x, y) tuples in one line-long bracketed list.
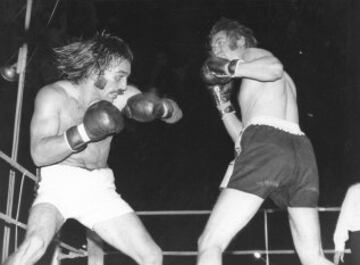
[(234, 30)]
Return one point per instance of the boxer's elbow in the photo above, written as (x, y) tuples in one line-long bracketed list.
[(39, 156), (37, 159), (276, 70)]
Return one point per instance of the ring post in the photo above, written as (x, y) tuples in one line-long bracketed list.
[(21, 70)]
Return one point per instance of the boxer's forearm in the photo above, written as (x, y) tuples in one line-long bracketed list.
[(264, 69), (49, 150), (232, 125)]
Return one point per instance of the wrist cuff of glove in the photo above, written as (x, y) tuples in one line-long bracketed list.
[(166, 111), (76, 138), (233, 66), (225, 109)]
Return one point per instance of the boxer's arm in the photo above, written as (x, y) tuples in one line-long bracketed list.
[(342, 225), (101, 120), (147, 107), (220, 90), (232, 124), (221, 95), (259, 65), (47, 143)]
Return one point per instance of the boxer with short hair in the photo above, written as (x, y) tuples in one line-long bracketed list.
[(72, 126), (273, 159)]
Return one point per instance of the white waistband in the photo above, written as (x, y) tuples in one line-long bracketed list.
[(284, 125), (69, 168), (62, 176)]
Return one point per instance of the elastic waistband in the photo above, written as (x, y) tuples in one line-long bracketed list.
[(284, 125), (71, 168)]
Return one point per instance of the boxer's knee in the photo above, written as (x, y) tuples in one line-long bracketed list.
[(313, 257), (152, 257), (208, 241), (30, 251)]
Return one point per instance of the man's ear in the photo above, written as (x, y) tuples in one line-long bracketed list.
[(241, 42)]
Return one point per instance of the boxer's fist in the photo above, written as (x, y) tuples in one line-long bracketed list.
[(172, 112), (222, 68), (144, 107), (221, 93), (147, 107), (101, 119), (211, 78)]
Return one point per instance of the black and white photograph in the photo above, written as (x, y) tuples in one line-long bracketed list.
[(179, 132)]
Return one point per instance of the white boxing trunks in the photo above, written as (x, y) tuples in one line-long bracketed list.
[(87, 196)]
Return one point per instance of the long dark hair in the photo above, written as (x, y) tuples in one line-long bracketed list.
[(78, 60)]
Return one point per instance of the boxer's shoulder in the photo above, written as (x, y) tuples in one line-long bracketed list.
[(55, 94)]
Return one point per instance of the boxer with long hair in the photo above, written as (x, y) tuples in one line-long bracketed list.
[(73, 124)]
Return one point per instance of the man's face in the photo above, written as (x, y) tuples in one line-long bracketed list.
[(116, 80), (222, 46)]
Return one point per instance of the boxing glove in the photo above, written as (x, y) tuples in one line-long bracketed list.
[(210, 77), (220, 87), (221, 94), (172, 112), (100, 120), (147, 107), (222, 68)]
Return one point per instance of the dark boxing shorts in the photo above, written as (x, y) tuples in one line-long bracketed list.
[(354, 247), (277, 161)]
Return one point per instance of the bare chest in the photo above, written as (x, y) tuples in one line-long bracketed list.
[(70, 115), (95, 154)]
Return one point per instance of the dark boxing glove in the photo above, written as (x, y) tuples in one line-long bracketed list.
[(221, 95), (101, 119), (210, 77), (172, 112), (147, 107), (220, 86), (222, 68)]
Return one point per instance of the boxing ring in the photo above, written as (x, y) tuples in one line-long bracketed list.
[(94, 251)]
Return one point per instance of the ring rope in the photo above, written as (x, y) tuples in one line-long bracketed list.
[(18, 209), (235, 252), (205, 212), (17, 166), (266, 237), (10, 220), (16, 222), (83, 253)]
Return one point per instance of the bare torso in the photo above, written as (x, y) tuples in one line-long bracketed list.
[(275, 99), (58, 107), (95, 155)]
